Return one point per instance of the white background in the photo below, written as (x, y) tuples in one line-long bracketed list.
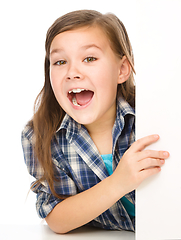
[(158, 111), (23, 26), (152, 27)]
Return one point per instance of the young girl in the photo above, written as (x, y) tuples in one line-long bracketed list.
[(79, 144)]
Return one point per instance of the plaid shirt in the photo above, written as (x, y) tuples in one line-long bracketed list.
[(79, 165)]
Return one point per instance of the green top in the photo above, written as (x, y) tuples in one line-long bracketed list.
[(130, 208)]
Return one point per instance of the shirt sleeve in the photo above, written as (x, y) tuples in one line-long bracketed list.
[(45, 201)]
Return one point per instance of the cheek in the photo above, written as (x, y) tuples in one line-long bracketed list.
[(53, 85), (51, 78), (108, 78), (57, 86), (54, 80)]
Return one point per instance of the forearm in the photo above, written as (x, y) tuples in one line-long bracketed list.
[(80, 209)]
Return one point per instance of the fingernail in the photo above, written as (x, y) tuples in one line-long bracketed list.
[(156, 136), (165, 154)]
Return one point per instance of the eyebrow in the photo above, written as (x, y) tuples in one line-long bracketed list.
[(57, 50), (91, 46)]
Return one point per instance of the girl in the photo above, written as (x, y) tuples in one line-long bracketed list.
[(79, 144)]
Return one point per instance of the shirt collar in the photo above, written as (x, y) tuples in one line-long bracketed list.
[(123, 108)]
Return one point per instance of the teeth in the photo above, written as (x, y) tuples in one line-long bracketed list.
[(74, 101), (78, 90)]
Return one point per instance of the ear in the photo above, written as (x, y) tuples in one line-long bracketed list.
[(125, 70)]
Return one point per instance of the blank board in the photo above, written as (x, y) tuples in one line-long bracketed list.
[(158, 110)]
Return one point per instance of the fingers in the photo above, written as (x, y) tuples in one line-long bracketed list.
[(151, 158), (152, 154), (138, 164), (142, 143), (149, 172), (150, 163)]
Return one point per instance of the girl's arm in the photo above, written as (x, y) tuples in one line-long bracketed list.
[(136, 165), (81, 208)]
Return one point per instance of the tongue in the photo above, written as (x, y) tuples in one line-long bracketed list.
[(84, 97)]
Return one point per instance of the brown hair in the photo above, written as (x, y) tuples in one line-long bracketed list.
[(48, 114)]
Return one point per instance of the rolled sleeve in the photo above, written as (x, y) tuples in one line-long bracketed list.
[(45, 204), (45, 200)]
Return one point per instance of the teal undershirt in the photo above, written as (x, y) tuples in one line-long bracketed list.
[(130, 208)]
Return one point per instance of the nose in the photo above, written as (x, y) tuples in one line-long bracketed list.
[(74, 73)]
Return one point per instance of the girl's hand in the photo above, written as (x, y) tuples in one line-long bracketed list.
[(138, 164)]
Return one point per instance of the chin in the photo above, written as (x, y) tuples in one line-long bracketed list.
[(84, 121)]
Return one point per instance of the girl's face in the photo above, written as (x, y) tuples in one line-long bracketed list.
[(84, 73)]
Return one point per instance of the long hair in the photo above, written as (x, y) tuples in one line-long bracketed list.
[(48, 114)]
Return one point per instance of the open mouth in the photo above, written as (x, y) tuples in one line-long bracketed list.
[(80, 97)]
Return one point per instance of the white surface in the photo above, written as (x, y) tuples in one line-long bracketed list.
[(158, 66), (42, 232)]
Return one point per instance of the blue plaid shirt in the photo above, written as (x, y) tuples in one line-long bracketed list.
[(79, 165)]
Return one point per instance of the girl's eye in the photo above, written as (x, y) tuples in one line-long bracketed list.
[(61, 62), (90, 59)]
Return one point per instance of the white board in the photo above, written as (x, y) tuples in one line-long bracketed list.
[(158, 84)]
